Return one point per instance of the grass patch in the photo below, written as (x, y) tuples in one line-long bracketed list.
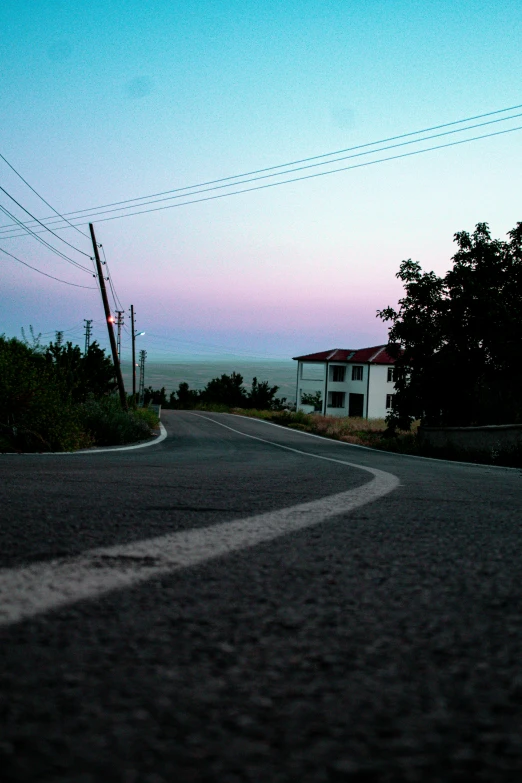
[(361, 432), (373, 433)]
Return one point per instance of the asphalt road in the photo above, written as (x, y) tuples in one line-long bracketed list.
[(340, 635)]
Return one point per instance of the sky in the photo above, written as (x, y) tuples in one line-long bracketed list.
[(116, 100)]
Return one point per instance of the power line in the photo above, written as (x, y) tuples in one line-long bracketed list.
[(64, 331), (43, 241), (211, 346), (116, 298), (298, 179), (312, 165), (308, 176), (41, 197), (79, 213), (91, 288), (43, 224)]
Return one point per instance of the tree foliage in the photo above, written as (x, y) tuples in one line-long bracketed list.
[(261, 395), (156, 396), (312, 398), (228, 391), (225, 390), (56, 398), (457, 339), (79, 375)]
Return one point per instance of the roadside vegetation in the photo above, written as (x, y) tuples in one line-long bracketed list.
[(219, 394), (55, 398), (361, 432), (457, 339)]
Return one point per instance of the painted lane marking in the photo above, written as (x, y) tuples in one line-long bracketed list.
[(400, 454), (160, 437), (28, 591), (289, 448)]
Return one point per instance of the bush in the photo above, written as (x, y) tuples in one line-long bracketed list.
[(109, 425), (350, 429), (33, 414), (57, 399)]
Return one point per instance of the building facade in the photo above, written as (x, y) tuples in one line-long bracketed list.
[(346, 382)]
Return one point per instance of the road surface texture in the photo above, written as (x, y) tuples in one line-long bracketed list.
[(219, 609)]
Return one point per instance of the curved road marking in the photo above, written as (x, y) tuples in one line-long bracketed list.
[(158, 439), (161, 436), (28, 591)]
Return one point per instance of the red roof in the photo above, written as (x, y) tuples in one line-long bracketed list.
[(334, 355), (378, 354)]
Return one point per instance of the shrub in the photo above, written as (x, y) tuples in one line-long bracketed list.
[(33, 414), (109, 425)]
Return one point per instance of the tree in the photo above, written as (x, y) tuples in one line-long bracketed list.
[(156, 396), (457, 339), (226, 390), (263, 396), (97, 373), (186, 398), (312, 398), (33, 411), (80, 375)]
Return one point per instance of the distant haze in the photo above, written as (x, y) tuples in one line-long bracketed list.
[(197, 374)]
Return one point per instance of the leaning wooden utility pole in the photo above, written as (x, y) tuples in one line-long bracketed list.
[(133, 336), (109, 319)]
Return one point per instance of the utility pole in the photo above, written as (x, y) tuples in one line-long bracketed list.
[(119, 324), (109, 319), (143, 356), (88, 331), (133, 333)]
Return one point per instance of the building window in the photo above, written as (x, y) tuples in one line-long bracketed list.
[(338, 373), (312, 371), (357, 373), (390, 374), (389, 401), (336, 399)]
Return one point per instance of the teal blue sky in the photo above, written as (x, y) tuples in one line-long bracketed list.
[(109, 101)]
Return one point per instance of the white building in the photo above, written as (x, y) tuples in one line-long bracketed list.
[(350, 382)]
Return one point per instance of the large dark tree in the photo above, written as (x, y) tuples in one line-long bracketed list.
[(263, 396), (226, 390), (457, 339), (80, 375)]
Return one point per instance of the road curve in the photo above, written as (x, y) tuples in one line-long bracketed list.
[(242, 602)]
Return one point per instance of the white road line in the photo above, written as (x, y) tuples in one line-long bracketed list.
[(398, 454), (95, 451), (28, 591), (161, 436)]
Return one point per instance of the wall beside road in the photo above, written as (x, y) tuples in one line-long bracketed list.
[(492, 440)]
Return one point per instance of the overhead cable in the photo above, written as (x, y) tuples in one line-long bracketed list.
[(291, 180), (76, 285), (116, 298), (41, 197), (312, 165), (97, 210), (43, 241), (43, 224), (307, 176)]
